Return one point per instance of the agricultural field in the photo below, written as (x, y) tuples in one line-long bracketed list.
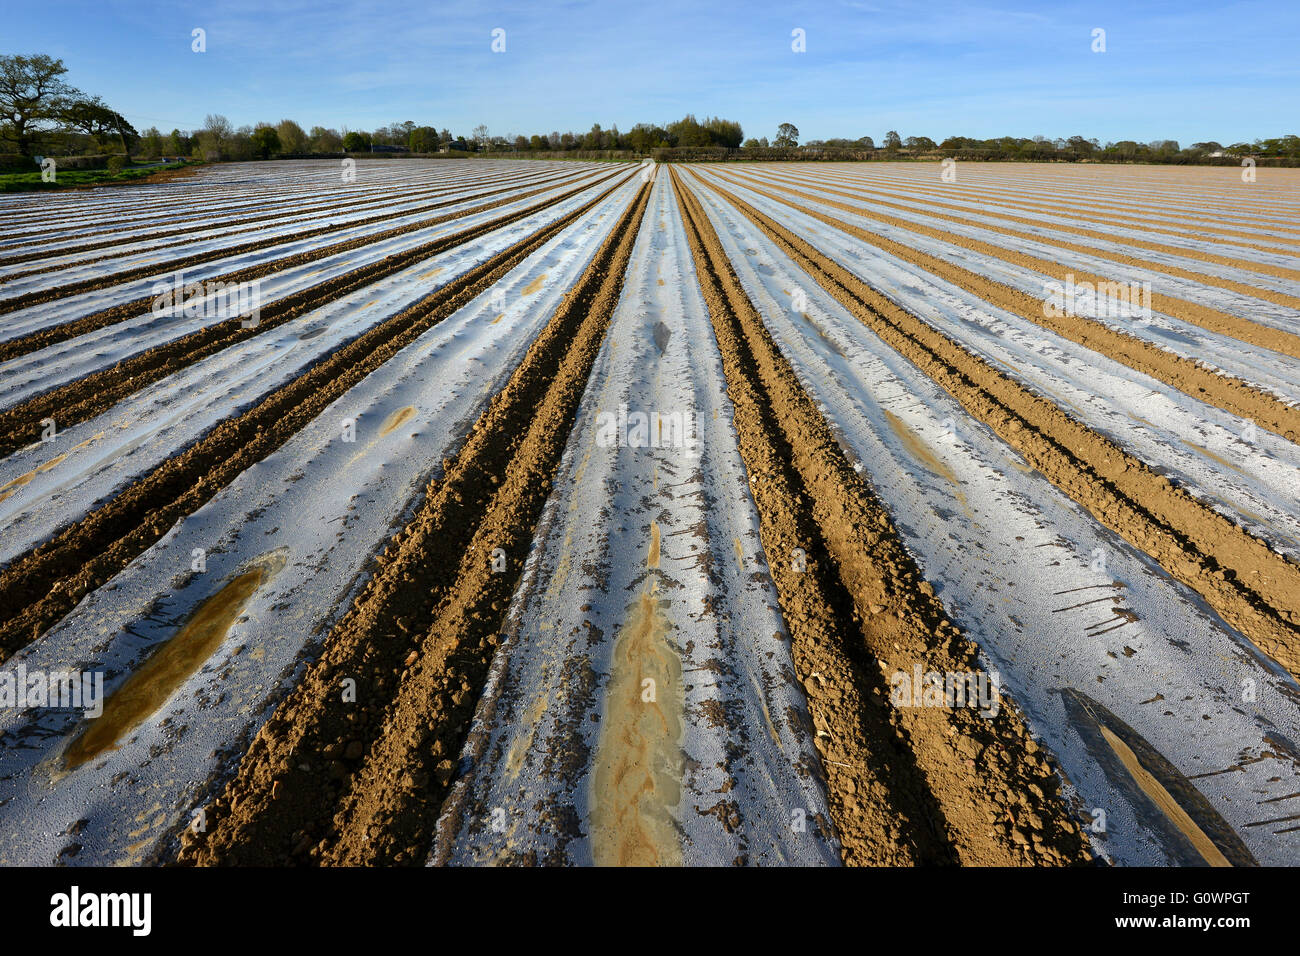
[(494, 512)]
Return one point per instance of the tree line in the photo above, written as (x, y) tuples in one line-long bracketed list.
[(39, 111), (1036, 148), (219, 140), (1079, 147)]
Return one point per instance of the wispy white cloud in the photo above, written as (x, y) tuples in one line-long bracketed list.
[(1198, 69)]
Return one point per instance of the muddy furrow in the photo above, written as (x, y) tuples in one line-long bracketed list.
[(1214, 262), (1251, 587), (186, 255), (52, 485), (74, 312), (134, 332), (1271, 277), (225, 184), (38, 589), (312, 516), (185, 259), (1196, 313), (331, 782), (210, 240), (1196, 445), (862, 602), (82, 399), (1013, 559), (1156, 200)]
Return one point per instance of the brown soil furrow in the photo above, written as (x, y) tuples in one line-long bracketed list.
[(289, 199), (930, 205), (1185, 374), (254, 223), (1214, 320), (185, 262), (1253, 588), (945, 783), (330, 782), (1213, 228), (1208, 209), (39, 588), (84, 398), (45, 337), (127, 215)]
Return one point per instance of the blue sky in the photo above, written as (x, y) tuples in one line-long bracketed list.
[(1187, 71)]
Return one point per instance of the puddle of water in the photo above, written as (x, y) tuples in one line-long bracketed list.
[(170, 665), (919, 450), (1211, 455), (638, 770), (397, 420), (519, 750), (13, 486), (652, 559), (1162, 799), (1174, 336), (1169, 803)]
